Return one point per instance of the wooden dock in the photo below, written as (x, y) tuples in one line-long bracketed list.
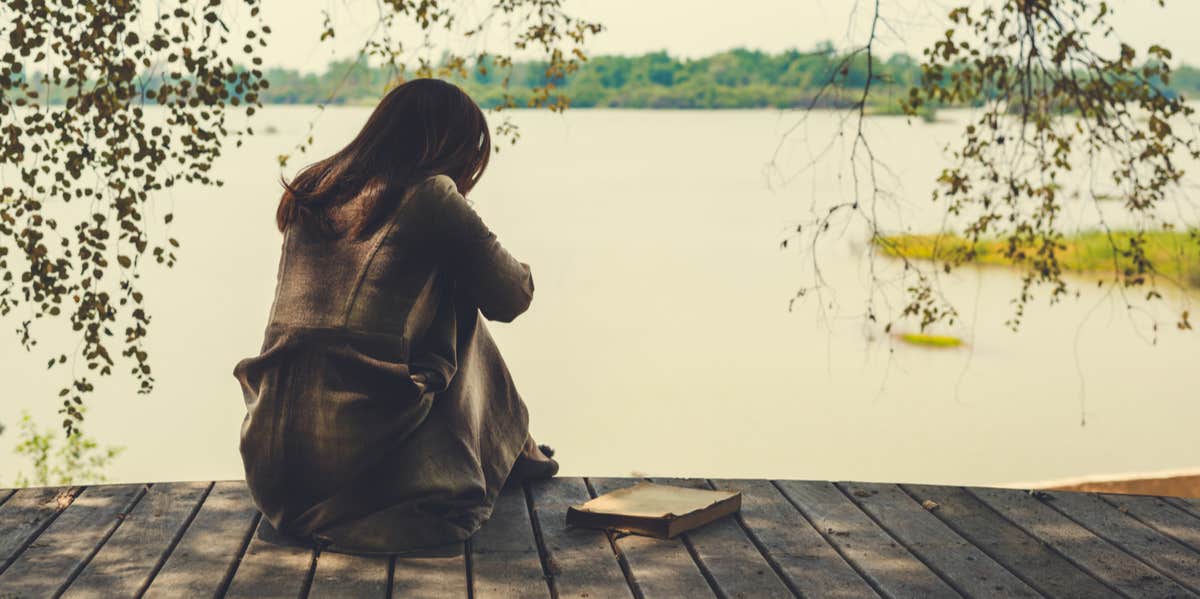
[(792, 539)]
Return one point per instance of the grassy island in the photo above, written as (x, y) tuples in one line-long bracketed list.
[(925, 340), (1173, 254)]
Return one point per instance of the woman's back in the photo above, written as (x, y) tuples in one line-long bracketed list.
[(339, 442)]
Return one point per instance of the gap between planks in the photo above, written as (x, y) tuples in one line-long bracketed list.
[(1028, 530), (539, 540), (825, 537), (929, 565), (762, 548), (1107, 536), (629, 574), (241, 555), (162, 560), (120, 519), (71, 493), (626, 570)]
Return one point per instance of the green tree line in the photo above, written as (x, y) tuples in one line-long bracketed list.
[(737, 78)]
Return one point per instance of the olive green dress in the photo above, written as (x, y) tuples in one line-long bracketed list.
[(340, 445)]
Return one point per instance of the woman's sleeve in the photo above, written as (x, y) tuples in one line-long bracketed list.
[(498, 283)]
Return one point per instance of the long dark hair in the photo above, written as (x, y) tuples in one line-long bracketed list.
[(421, 128)]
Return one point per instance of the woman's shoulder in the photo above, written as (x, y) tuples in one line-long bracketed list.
[(438, 195), (436, 187), (434, 194)]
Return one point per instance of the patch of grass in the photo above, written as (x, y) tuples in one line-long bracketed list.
[(924, 340), (1174, 254), (893, 107)]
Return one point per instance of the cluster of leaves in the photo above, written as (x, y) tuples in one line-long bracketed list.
[(55, 461), (105, 104), (79, 170), (1055, 109), (1052, 104)]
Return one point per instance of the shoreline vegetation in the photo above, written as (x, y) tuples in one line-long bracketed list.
[(1175, 255), (737, 78)]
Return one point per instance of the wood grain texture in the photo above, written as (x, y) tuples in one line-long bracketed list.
[(57, 555), (1161, 515), (26, 514), (658, 567), (504, 555), (1024, 555), (210, 548), (811, 564), (342, 575), (271, 568), (431, 577), (1187, 504), (1161, 552), (737, 567), (791, 538), (581, 561), (889, 566), (1100, 558), (124, 565), (969, 569)]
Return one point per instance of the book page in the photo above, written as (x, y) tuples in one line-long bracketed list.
[(649, 500)]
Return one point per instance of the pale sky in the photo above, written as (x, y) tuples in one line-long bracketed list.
[(691, 28)]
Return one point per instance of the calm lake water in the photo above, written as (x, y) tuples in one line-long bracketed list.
[(660, 339)]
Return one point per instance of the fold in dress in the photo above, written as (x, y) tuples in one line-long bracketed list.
[(340, 445)]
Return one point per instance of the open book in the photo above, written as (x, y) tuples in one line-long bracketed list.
[(662, 511)]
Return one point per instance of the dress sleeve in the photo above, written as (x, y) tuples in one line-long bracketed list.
[(499, 284)]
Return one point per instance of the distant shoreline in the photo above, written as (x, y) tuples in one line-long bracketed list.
[(823, 77)]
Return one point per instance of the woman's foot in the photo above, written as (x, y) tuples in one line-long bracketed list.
[(535, 461)]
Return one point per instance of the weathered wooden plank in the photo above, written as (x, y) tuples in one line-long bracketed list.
[(811, 565), (1168, 556), (1187, 504), (272, 567), (430, 577), (889, 566), (1097, 556), (1161, 515), (26, 514), (581, 561), (504, 554), (204, 558), (342, 575), (1023, 554), (124, 566), (5, 494), (735, 564), (65, 547), (658, 567), (971, 571)]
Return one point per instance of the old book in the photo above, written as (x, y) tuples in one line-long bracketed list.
[(662, 511)]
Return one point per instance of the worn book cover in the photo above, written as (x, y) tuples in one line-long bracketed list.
[(662, 511)]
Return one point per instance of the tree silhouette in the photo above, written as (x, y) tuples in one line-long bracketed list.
[(104, 104)]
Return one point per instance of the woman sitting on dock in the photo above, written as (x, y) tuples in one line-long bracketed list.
[(381, 416)]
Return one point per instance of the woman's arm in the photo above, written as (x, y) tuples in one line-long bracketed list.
[(498, 283)]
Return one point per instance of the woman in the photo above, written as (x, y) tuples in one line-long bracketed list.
[(381, 417)]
